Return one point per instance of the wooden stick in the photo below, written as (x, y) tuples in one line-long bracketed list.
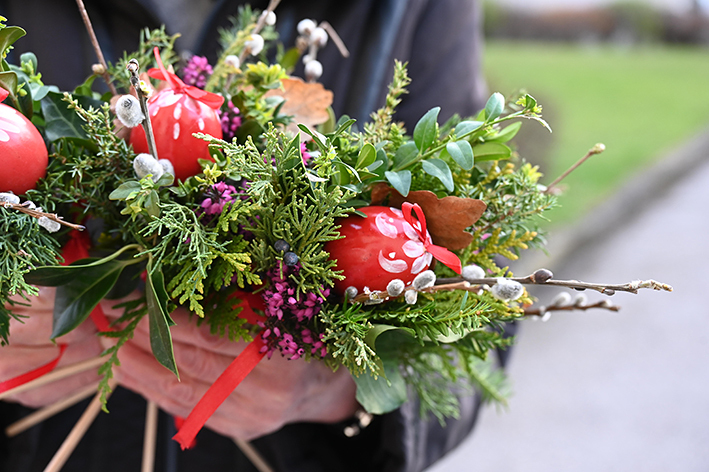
[(253, 455), (57, 374), (48, 411), (150, 437), (77, 432), (94, 43)]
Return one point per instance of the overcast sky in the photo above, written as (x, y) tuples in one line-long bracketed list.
[(677, 6)]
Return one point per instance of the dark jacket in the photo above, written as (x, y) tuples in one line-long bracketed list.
[(441, 41)]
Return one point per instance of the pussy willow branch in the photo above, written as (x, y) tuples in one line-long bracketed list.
[(133, 67), (539, 277), (97, 48), (597, 149), (260, 23), (24, 208), (542, 310)]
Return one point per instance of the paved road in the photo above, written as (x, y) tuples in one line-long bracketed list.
[(627, 391)]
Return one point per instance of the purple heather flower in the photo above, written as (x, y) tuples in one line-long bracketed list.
[(304, 152), (197, 71), (219, 195), (230, 120)]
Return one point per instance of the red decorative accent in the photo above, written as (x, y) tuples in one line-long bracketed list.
[(212, 100), (440, 253), (230, 378), (219, 391), (34, 374), (3, 94)]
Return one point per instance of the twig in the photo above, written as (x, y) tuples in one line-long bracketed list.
[(543, 310), (57, 374), (97, 48), (150, 437), (48, 411), (77, 432), (133, 68), (597, 149), (253, 455), (335, 38), (539, 277), (260, 23), (25, 208)]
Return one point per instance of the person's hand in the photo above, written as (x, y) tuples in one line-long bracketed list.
[(276, 392), (30, 348)]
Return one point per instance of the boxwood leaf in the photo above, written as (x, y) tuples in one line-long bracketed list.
[(462, 153), (491, 152), (426, 129), (125, 190), (159, 319), (506, 133), (405, 155), (465, 127), (494, 106), (366, 156), (401, 181), (76, 299), (439, 169)]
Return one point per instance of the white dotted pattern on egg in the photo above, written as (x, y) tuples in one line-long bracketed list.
[(176, 131)]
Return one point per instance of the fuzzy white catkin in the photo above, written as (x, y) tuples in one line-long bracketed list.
[(50, 225), (313, 70), (307, 58), (561, 299), (318, 37), (472, 271), (410, 296), (351, 292), (9, 197), (254, 44), (232, 61), (270, 18), (167, 166), (306, 26), (145, 164), (425, 279), (128, 111), (395, 287), (506, 289)]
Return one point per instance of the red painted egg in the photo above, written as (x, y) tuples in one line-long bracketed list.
[(377, 249), (23, 155), (175, 116)]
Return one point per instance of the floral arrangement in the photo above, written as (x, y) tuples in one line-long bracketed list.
[(233, 190)]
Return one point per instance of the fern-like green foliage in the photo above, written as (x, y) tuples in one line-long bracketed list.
[(24, 246)]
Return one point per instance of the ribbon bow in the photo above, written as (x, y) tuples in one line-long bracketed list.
[(212, 100), (419, 225)]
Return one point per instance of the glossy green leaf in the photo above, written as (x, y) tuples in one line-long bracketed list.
[(290, 58), (314, 135), (25, 99), (342, 177), (159, 319), (8, 36), (465, 127), (426, 129), (75, 300), (401, 181), (60, 121), (343, 126), (494, 106), (506, 133), (462, 154), (382, 395), (8, 81), (491, 152), (439, 169), (405, 155), (366, 156)]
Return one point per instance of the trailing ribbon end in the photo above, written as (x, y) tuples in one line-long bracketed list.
[(441, 254)]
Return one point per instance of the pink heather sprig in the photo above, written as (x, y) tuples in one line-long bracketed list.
[(304, 152), (197, 71), (288, 314), (230, 120)]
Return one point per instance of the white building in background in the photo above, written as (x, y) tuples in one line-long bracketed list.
[(673, 6)]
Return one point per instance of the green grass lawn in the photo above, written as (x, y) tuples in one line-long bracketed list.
[(640, 102)]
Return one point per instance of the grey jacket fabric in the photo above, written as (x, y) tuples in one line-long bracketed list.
[(441, 40)]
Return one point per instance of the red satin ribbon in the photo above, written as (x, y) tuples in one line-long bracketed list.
[(440, 253), (228, 381), (33, 374), (212, 100), (3, 94)]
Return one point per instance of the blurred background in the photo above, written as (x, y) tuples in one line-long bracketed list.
[(600, 390)]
